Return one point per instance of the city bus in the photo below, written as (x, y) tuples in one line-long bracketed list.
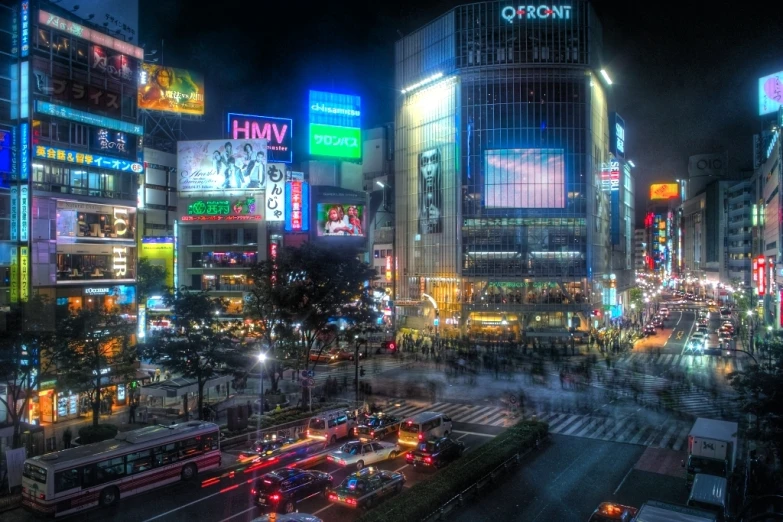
[(99, 474)]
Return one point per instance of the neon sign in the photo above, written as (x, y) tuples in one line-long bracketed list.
[(297, 201), (79, 31), (91, 160), (761, 275), (67, 113), (24, 273), (277, 132), (536, 12), (610, 176), (25, 19)]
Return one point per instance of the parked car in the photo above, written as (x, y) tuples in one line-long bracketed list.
[(282, 489), (435, 453), (367, 486), (361, 454)]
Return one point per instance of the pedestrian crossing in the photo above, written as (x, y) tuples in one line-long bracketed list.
[(691, 361), (671, 434), (348, 371)]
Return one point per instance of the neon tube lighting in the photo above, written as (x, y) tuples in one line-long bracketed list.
[(605, 75), (632, 164), (425, 81)]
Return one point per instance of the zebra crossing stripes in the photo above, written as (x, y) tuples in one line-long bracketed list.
[(690, 361), (466, 413)]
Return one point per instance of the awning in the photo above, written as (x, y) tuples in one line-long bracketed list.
[(180, 386)]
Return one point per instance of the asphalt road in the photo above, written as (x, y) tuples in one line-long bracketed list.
[(567, 481), (228, 499)]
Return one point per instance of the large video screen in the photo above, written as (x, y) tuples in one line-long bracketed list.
[(221, 165), (340, 219), (524, 178)]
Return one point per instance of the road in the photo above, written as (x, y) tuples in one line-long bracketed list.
[(228, 498), (567, 481)]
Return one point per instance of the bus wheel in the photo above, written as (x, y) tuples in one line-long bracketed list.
[(189, 472), (109, 496)]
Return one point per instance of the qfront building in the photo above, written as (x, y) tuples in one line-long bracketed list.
[(514, 200)]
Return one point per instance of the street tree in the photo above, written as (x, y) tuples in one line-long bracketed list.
[(304, 293), (199, 346), (94, 349), (150, 280), (25, 355)]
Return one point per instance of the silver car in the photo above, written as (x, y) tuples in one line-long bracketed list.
[(360, 454)]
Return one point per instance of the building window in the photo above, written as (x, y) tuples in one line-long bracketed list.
[(377, 253), (78, 135)]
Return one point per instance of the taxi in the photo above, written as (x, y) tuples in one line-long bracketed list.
[(611, 512)]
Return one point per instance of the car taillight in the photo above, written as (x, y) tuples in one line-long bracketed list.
[(352, 501), (372, 434), (421, 436), (253, 491), (41, 496), (332, 496), (275, 497), (428, 459), (409, 456), (307, 433)]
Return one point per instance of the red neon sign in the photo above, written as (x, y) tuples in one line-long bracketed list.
[(761, 278), (296, 205)]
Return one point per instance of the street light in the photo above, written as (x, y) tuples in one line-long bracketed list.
[(262, 360)]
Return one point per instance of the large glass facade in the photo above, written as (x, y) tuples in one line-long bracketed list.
[(501, 219)]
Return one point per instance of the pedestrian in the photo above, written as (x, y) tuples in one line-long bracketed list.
[(157, 374), (132, 415), (167, 375), (67, 435)]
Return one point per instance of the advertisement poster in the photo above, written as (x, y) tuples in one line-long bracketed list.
[(430, 200), (112, 63), (274, 208), (336, 219), (770, 93), (171, 90), (112, 142), (664, 190), (526, 178), (221, 165)]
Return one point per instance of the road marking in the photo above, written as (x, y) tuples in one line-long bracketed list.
[(680, 319), (240, 513), (680, 333), (399, 469), (475, 433), (462, 436), (182, 507), (623, 481), (323, 509)]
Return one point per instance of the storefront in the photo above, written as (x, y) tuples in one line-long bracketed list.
[(120, 297)]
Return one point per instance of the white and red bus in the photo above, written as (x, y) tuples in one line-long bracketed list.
[(99, 474)]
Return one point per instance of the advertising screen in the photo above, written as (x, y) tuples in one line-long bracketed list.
[(236, 209), (159, 251), (171, 90), (664, 191), (340, 219), (277, 132), (524, 178), (221, 165), (338, 142), (770, 93), (330, 108), (112, 63)]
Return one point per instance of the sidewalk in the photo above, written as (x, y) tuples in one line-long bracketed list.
[(119, 418)]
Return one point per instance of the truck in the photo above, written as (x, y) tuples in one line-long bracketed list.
[(657, 511), (712, 449)]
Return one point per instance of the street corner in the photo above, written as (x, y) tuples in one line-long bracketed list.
[(662, 461)]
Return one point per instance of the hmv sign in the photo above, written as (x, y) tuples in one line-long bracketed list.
[(277, 132), (535, 12)]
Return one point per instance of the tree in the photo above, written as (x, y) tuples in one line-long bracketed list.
[(93, 350), (299, 297), (760, 389), (25, 355), (150, 279), (199, 346)]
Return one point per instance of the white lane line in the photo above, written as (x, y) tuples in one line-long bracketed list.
[(323, 509), (475, 433), (400, 469), (462, 436), (622, 481), (183, 507), (240, 513)]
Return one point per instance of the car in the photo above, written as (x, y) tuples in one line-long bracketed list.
[(318, 355), (378, 428), (649, 329), (281, 490), (611, 512), (664, 312), (387, 347), (657, 322), (345, 355), (271, 447), (366, 487), (702, 329), (435, 452), (361, 454), (290, 517)]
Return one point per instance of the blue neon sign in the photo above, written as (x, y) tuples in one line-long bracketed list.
[(66, 113), (24, 151), (330, 108), (88, 160), (25, 32)]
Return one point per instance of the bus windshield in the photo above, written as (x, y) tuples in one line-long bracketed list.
[(34, 473)]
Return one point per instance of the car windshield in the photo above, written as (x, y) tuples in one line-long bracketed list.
[(317, 424), (351, 449), (35, 473)]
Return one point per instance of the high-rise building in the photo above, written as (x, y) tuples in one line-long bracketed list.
[(639, 250), (739, 201), (512, 193)]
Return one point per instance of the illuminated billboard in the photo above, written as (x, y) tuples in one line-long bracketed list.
[(159, 251), (335, 125), (524, 178), (336, 219), (297, 206), (88, 160), (170, 90), (770, 93), (664, 191), (85, 33), (278, 133), (617, 136), (221, 165), (237, 209)]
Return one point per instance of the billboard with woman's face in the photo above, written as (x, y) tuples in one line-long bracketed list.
[(340, 219), (338, 216), (221, 165), (171, 90), (430, 199)]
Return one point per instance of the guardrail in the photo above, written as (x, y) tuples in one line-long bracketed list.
[(490, 478)]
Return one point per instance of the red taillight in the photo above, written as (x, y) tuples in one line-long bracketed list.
[(41, 496), (372, 434), (409, 456), (421, 436), (352, 501), (252, 491), (307, 433), (275, 497), (428, 460), (332, 496)]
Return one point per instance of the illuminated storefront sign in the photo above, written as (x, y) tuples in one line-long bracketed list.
[(25, 34), (297, 206), (277, 132), (104, 290), (664, 191), (14, 275), (761, 274), (222, 218), (222, 207), (24, 151), (24, 274), (120, 261), (618, 136), (610, 176), (388, 268), (536, 12), (24, 213), (275, 192), (14, 213), (66, 113), (90, 160), (770, 93), (330, 140), (79, 31)]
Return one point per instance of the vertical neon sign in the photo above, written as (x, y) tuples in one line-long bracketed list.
[(176, 247), (761, 275), (24, 151), (25, 26)]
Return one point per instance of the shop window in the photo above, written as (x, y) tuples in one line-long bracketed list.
[(65, 480), (377, 253)]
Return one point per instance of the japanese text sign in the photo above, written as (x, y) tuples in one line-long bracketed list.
[(89, 160)]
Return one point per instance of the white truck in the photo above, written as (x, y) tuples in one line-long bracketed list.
[(656, 511), (712, 449)]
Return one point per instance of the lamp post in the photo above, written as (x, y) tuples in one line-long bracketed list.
[(262, 361)]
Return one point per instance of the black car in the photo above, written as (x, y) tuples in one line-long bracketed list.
[(435, 453), (649, 329), (367, 486), (282, 489), (378, 428)]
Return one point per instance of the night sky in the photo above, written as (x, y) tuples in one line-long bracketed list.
[(685, 75)]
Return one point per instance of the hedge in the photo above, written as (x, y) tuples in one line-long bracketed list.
[(428, 496), (90, 434), (276, 418)]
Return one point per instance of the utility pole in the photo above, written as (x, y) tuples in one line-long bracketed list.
[(356, 367)]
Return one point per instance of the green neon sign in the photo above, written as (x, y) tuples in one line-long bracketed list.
[(222, 207), (334, 141)]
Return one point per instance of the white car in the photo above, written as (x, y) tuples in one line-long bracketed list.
[(361, 454)]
